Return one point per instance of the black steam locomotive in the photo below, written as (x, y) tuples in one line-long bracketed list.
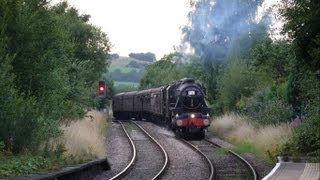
[(180, 105)]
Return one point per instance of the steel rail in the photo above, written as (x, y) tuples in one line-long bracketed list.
[(166, 159), (213, 174), (249, 166), (133, 159)]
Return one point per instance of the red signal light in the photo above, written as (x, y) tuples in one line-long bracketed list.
[(102, 88)]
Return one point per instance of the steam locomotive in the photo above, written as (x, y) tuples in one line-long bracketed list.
[(180, 105)]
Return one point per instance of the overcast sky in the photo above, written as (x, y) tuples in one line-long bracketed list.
[(137, 25)]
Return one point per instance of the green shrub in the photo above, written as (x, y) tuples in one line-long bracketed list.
[(236, 82), (306, 139), (268, 106)]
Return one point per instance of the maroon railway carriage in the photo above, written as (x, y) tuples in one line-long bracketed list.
[(180, 105)]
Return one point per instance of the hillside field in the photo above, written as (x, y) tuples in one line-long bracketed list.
[(126, 72)]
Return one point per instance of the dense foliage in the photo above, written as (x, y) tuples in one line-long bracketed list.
[(51, 59), (303, 28)]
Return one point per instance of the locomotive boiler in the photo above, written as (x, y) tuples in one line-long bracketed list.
[(180, 105)]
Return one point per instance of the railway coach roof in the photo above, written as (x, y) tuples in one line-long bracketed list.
[(125, 94), (131, 92), (159, 88)]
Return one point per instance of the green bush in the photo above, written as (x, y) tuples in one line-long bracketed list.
[(238, 81), (306, 139), (268, 106)]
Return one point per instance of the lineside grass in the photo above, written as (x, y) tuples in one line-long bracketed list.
[(85, 139), (81, 140), (264, 141)]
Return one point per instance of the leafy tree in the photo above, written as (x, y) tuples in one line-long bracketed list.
[(160, 73), (170, 68), (89, 54), (50, 60), (302, 26), (194, 67), (273, 58), (269, 104), (34, 43), (238, 81)]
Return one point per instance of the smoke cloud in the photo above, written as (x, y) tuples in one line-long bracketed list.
[(215, 25)]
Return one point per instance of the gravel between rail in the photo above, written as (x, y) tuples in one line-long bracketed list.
[(185, 163), (149, 156)]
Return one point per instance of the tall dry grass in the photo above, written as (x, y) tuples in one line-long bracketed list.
[(85, 139), (239, 130)]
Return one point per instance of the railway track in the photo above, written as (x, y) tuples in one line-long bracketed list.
[(213, 174), (145, 154), (240, 158), (228, 165), (185, 162)]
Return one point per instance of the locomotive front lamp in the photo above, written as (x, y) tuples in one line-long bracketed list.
[(206, 122), (192, 115), (177, 116)]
